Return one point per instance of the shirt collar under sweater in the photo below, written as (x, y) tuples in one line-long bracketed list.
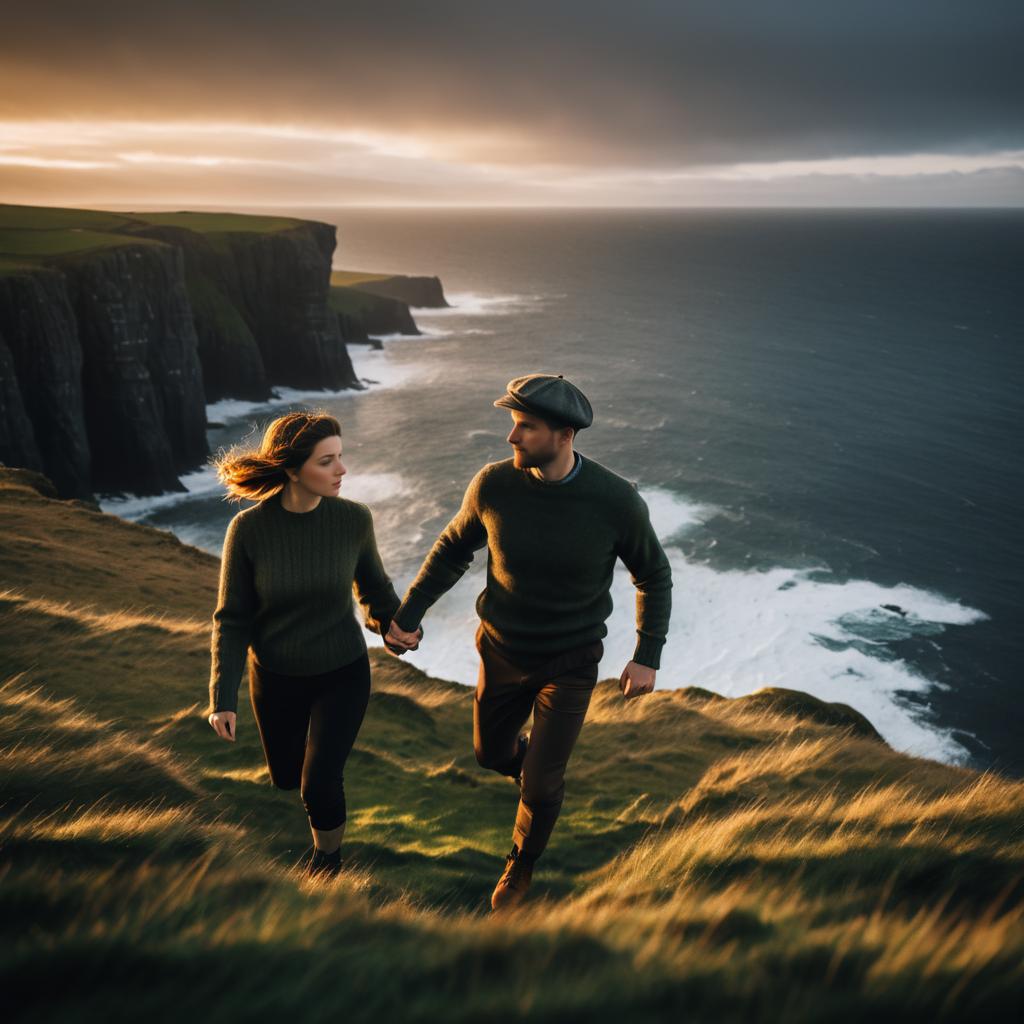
[(571, 475)]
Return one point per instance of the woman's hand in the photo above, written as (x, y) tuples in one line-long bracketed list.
[(223, 723)]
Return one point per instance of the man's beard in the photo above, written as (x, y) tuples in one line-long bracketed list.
[(523, 461)]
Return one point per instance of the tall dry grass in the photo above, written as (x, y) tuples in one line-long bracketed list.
[(717, 860)]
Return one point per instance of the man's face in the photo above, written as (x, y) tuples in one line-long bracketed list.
[(533, 442)]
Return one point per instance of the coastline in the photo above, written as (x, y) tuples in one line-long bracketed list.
[(373, 368)]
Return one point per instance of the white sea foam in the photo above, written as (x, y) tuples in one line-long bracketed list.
[(671, 514), (371, 488), (737, 631), (373, 365), (474, 304), (390, 339), (197, 483)]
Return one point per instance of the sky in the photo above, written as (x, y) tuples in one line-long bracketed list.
[(575, 103)]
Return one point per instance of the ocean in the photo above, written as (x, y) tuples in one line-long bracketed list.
[(823, 410)]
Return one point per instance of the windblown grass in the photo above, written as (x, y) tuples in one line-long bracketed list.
[(717, 860)]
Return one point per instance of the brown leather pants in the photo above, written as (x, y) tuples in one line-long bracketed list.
[(557, 693)]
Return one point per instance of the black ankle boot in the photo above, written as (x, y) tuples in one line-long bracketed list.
[(324, 864)]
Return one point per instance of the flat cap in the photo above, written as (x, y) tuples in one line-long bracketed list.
[(550, 397)]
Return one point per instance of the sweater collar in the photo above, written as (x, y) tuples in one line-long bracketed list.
[(276, 503)]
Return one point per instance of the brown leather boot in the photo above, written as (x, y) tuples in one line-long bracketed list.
[(514, 882)]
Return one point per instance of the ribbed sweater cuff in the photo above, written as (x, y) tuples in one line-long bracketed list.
[(413, 608), (223, 701), (648, 651)]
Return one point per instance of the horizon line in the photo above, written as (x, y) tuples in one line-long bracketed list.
[(177, 208)]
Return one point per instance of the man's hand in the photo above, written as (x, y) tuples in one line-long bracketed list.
[(223, 723), (636, 679), (398, 641)]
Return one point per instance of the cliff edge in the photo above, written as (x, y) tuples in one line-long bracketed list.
[(716, 859), (116, 330)]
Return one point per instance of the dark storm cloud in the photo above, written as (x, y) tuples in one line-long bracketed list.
[(575, 83)]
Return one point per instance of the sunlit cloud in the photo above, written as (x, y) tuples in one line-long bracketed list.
[(899, 166), (65, 165), (513, 103), (131, 162), (440, 145), (193, 161)]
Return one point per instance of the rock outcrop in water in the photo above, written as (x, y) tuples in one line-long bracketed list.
[(361, 315), (425, 292), (117, 330)]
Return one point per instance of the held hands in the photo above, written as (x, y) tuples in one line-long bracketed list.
[(223, 723), (398, 641), (636, 680)]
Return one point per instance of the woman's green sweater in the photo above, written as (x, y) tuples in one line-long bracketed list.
[(286, 585)]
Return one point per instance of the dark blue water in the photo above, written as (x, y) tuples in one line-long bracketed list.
[(823, 408)]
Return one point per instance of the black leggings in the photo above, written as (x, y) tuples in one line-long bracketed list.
[(308, 725)]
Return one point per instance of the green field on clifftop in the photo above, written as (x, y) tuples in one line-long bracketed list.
[(346, 278), (717, 860), (216, 223), (29, 234)]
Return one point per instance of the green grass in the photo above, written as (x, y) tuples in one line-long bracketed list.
[(29, 246), (348, 300), (210, 302), (56, 218), (717, 860), (346, 278), (30, 235), (219, 223), (344, 298)]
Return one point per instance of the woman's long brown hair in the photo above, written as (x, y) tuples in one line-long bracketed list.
[(254, 474)]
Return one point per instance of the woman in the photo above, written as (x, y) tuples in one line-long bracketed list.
[(289, 568)]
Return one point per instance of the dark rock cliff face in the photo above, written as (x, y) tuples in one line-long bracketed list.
[(425, 292), (231, 359), (39, 328), (17, 438), (141, 376), (280, 284), (373, 314), (109, 356)]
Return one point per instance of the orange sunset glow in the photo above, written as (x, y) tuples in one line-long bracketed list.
[(464, 105)]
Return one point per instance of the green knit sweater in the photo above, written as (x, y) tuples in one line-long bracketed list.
[(551, 550), (286, 586)]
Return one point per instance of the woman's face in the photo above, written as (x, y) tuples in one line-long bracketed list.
[(321, 473)]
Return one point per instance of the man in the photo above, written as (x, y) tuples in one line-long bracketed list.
[(554, 524)]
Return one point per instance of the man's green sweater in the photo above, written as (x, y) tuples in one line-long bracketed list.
[(551, 550), (286, 586)]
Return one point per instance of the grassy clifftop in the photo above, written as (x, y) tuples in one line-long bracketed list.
[(34, 233), (717, 859)]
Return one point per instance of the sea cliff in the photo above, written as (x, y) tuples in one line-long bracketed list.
[(369, 304), (116, 330)]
